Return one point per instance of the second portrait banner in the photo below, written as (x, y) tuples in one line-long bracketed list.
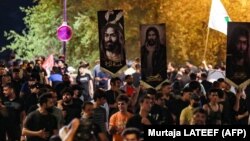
[(153, 54)]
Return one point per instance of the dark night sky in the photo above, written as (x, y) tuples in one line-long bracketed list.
[(11, 18)]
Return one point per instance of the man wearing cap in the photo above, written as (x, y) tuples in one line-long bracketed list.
[(32, 99), (25, 89), (187, 113)]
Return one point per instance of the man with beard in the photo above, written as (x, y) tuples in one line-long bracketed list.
[(71, 109), (238, 63), (40, 124), (112, 44), (153, 55), (15, 113)]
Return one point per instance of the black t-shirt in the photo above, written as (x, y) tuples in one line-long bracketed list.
[(72, 111), (17, 85), (161, 115), (60, 87), (111, 99), (30, 101), (36, 121), (14, 109), (177, 109), (170, 103), (83, 81), (135, 121), (87, 130)]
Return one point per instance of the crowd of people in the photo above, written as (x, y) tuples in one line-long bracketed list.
[(39, 106)]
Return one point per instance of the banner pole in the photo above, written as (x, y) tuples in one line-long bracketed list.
[(205, 51)]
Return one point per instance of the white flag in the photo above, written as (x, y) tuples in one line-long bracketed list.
[(218, 18)]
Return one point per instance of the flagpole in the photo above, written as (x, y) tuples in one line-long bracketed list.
[(205, 51)]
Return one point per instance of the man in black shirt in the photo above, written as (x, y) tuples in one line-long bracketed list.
[(143, 118), (15, 113), (40, 125)]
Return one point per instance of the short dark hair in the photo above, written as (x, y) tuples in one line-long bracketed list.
[(186, 89), (165, 84), (123, 97), (193, 76), (114, 79), (128, 76), (44, 98), (221, 80), (131, 130), (199, 110), (158, 96), (99, 94), (67, 90), (204, 75), (143, 98), (86, 103), (36, 85), (193, 85), (151, 91), (9, 85)]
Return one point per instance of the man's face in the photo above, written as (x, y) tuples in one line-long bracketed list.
[(31, 82), (242, 45), (130, 80), (34, 90), (15, 75), (122, 106), (160, 101), (6, 79), (152, 98), (89, 110), (146, 105), (2, 71), (66, 98), (39, 63), (187, 95), (54, 97), (103, 101), (118, 84), (166, 90), (60, 64), (151, 38), (130, 137), (7, 91), (199, 119), (110, 38), (49, 103)]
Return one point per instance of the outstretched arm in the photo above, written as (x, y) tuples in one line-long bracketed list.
[(70, 131)]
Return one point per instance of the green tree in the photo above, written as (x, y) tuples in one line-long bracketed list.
[(186, 22)]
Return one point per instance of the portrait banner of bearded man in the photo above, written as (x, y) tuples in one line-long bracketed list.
[(238, 54), (111, 41), (153, 55)]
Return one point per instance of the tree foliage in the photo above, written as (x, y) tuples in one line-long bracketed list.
[(186, 22)]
